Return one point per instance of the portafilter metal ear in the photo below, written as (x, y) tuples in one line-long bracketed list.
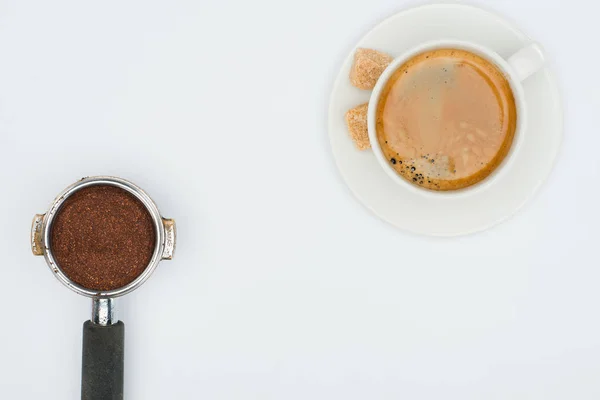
[(103, 335)]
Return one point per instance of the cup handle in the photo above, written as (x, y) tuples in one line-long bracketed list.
[(527, 61)]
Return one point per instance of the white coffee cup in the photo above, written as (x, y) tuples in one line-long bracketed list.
[(516, 68)]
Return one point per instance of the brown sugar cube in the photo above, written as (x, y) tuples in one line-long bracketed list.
[(368, 66), (356, 118)]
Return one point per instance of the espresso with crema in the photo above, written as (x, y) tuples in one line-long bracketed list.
[(446, 119)]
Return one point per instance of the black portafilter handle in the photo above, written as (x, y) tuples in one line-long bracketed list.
[(103, 354)]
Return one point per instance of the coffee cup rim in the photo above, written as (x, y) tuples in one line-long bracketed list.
[(518, 94)]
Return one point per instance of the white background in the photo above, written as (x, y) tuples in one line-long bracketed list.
[(283, 285)]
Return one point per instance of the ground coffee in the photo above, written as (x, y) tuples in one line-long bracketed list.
[(102, 237)]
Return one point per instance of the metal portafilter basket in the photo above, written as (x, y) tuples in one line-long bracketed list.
[(103, 334)]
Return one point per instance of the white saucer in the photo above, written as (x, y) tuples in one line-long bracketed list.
[(432, 215)]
